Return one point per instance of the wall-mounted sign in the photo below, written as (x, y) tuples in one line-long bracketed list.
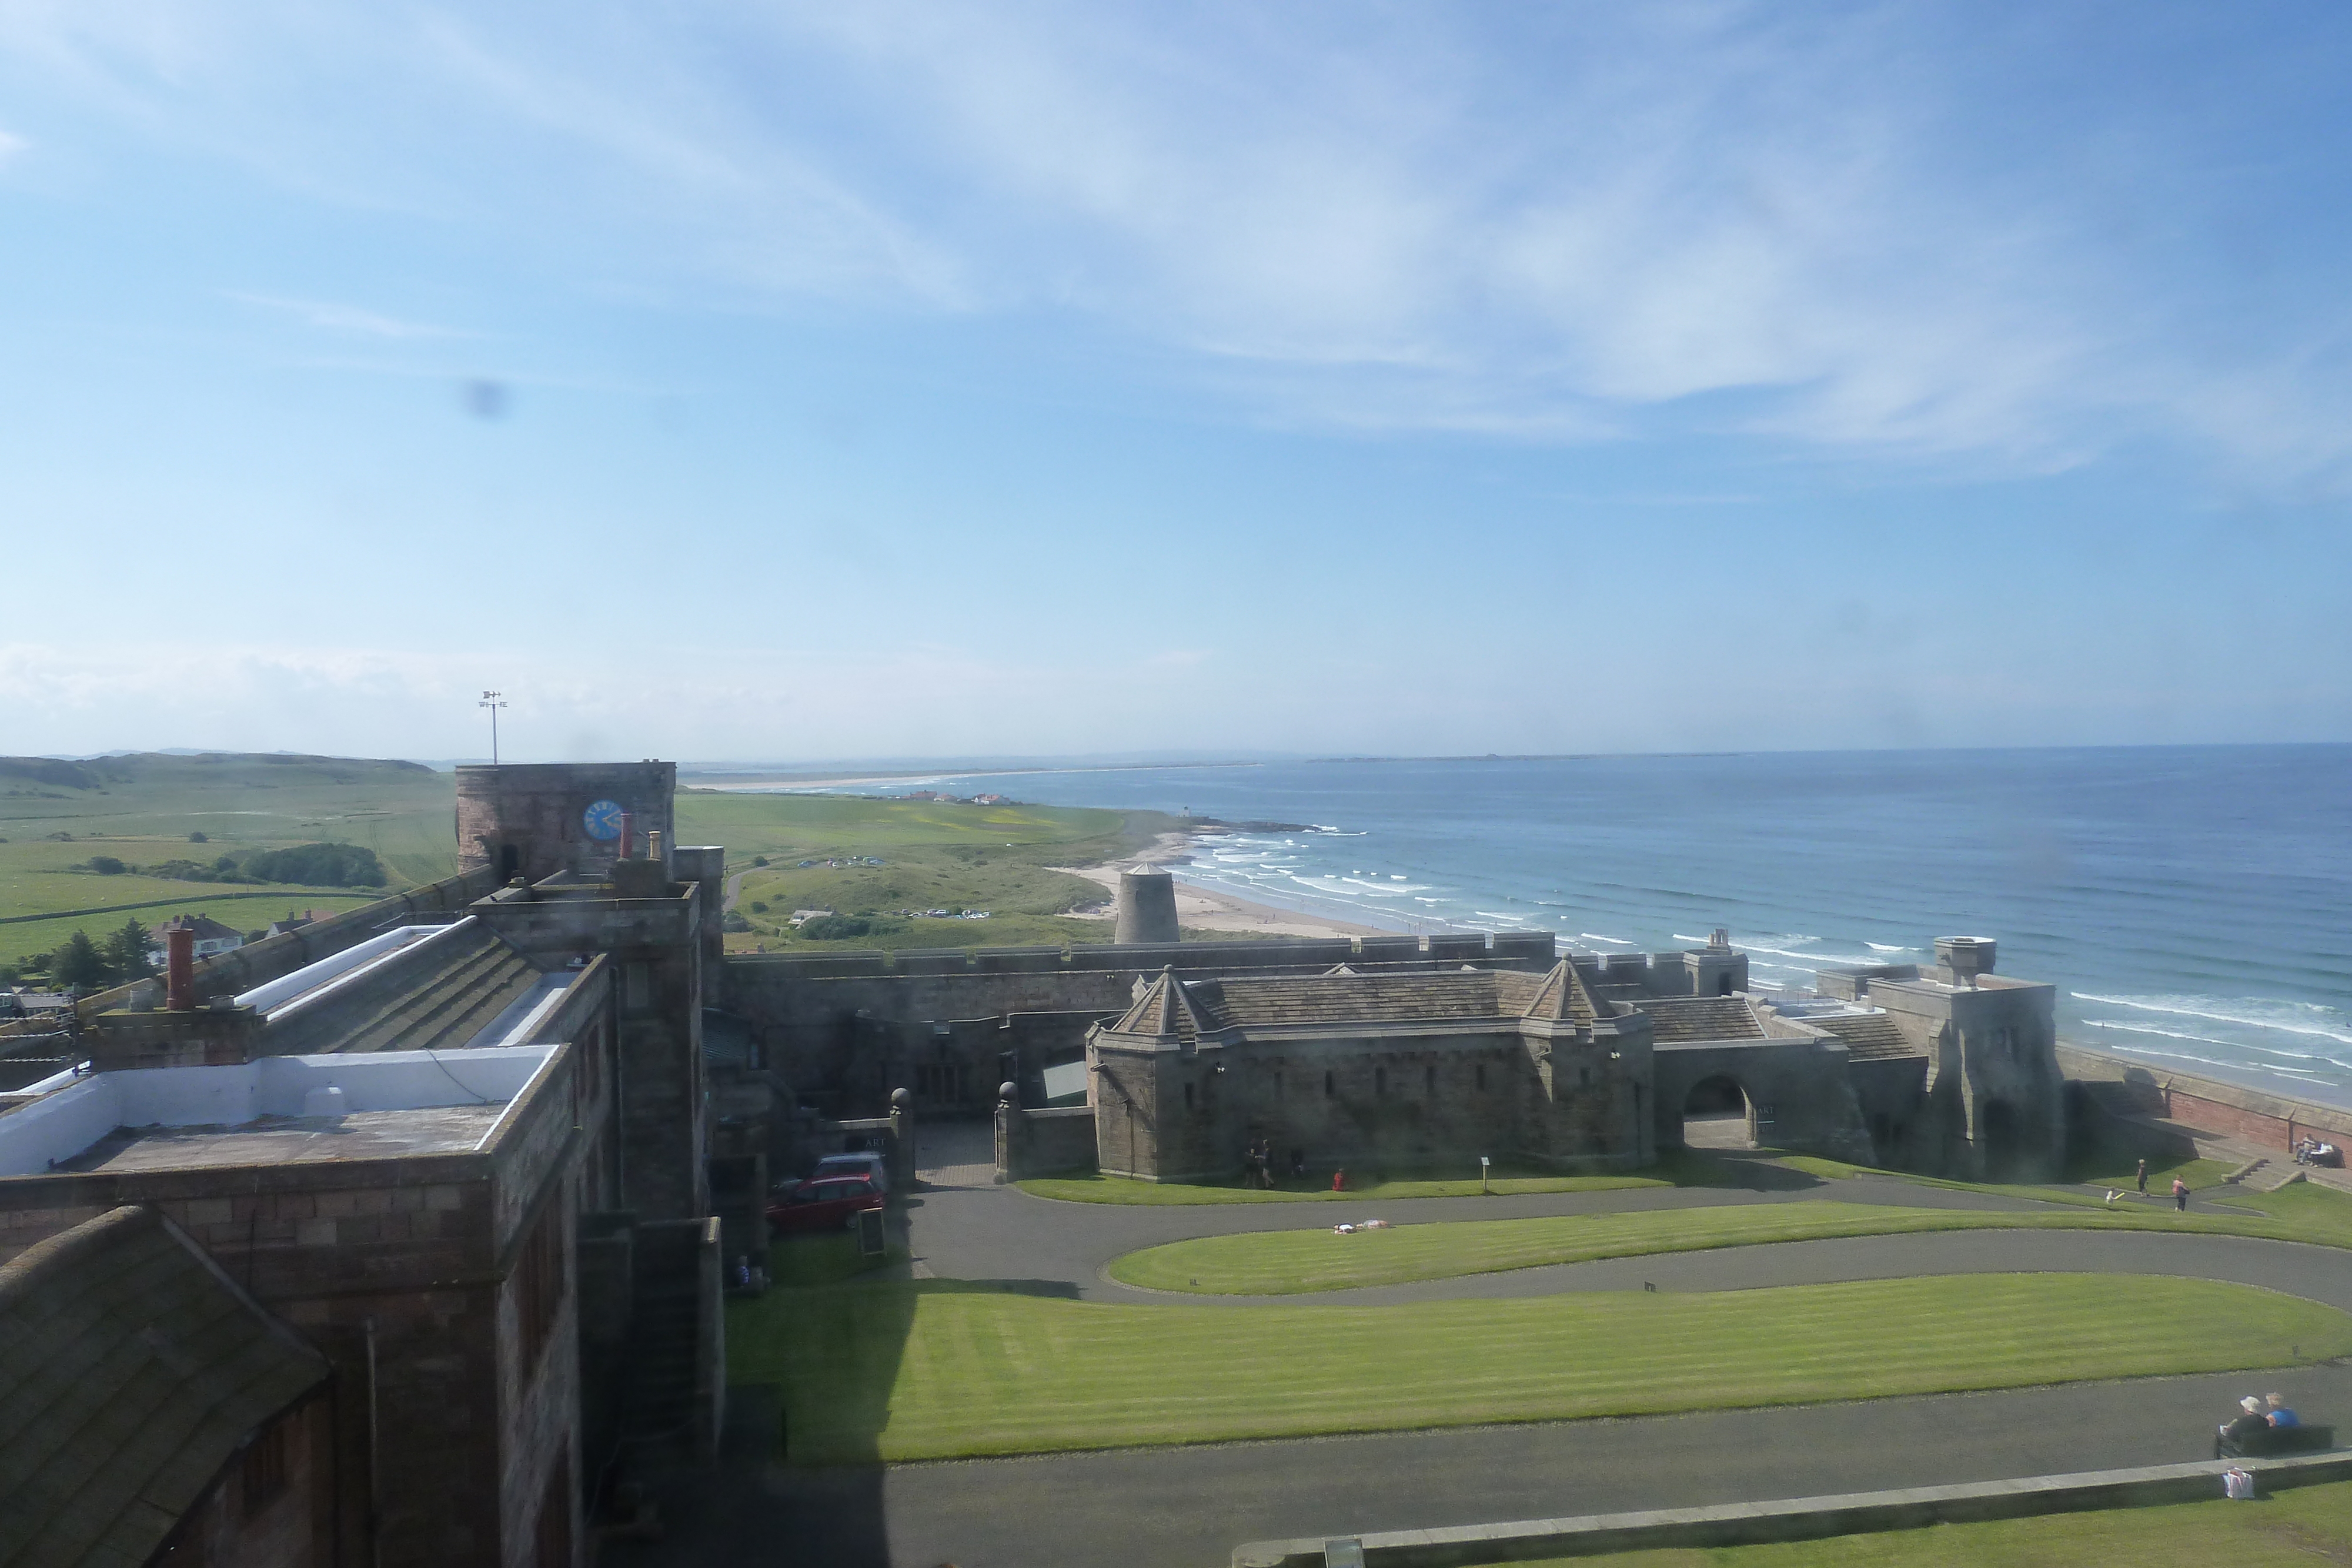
[(603, 821)]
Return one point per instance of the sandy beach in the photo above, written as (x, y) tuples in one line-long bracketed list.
[(1205, 908)]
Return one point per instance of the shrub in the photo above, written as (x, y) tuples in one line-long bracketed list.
[(733, 921), (107, 865), (319, 865), (198, 839), (758, 906), (79, 964), (759, 859)]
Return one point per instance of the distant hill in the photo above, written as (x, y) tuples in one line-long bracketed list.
[(200, 768)]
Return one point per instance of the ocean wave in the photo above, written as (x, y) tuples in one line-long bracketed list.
[(1596, 937), (1825, 959), (2209, 1039), (1887, 947), (2210, 1009)]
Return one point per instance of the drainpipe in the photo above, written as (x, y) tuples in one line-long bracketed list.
[(375, 1505), (627, 850)]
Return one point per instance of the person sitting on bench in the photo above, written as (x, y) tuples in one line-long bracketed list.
[(2249, 1422), (2278, 1414)]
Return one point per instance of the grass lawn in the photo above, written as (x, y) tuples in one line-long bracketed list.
[(2106, 1172), (938, 1369), (1286, 1262), (2294, 1529)]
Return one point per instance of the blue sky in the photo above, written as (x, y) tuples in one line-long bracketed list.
[(797, 383)]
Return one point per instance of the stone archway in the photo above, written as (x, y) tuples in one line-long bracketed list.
[(1719, 1114)]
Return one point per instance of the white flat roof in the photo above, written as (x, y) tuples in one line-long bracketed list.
[(268, 1093)]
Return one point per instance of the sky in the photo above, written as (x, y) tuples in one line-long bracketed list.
[(799, 381)]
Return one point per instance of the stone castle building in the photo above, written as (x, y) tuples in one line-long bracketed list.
[(455, 1172)]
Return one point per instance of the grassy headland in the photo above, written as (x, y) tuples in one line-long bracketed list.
[(884, 864)]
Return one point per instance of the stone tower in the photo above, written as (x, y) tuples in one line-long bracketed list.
[(533, 820), (1146, 906)]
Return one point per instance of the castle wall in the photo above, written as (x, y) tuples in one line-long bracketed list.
[(1800, 1094), (1391, 1102), (806, 1007)]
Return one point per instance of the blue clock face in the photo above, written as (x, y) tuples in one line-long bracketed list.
[(603, 821)]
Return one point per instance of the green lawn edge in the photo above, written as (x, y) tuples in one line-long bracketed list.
[(1293, 1263)]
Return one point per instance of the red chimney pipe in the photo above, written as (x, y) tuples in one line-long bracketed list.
[(628, 837), (179, 968)]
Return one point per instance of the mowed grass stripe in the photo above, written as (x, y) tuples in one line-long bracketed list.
[(909, 1371), (1286, 1262)]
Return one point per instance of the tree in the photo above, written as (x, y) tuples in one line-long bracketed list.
[(126, 951), (78, 965), (107, 865), (198, 839)]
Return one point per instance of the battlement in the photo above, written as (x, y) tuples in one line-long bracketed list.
[(1515, 948)]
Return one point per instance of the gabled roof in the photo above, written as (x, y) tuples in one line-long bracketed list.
[(203, 928), (131, 1370), (1184, 1009)]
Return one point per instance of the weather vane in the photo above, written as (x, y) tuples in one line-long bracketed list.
[(493, 701)]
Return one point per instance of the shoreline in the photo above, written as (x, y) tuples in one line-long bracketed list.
[(1204, 907), (1213, 909)]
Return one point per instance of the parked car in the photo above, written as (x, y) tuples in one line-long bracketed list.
[(864, 1162), (821, 1203)]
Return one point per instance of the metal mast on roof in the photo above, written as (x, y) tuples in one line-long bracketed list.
[(493, 701)]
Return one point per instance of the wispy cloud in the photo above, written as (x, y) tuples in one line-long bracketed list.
[(356, 320), (1885, 230)]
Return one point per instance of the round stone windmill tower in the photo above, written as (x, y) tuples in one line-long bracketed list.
[(1146, 906)]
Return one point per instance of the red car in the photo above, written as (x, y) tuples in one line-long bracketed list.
[(825, 1202)]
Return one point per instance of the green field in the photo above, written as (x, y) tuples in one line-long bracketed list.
[(934, 855), (938, 1368), (2294, 1529), (1289, 1262), (142, 809)]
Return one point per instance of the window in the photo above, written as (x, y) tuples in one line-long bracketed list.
[(1329, 1089), (261, 1476), (1429, 1079), (1482, 1077)]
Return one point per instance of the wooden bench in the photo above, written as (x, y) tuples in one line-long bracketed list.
[(2276, 1440)]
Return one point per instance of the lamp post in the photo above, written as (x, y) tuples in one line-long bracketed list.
[(493, 701)]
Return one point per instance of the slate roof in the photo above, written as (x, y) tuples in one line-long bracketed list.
[(1867, 1035), (437, 996), (1185, 1009), (131, 1371), (1674, 1019)]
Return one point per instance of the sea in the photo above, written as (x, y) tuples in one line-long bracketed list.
[(2193, 904)]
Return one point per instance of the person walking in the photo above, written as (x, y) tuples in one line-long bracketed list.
[(2179, 1195), (2143, 1179)]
